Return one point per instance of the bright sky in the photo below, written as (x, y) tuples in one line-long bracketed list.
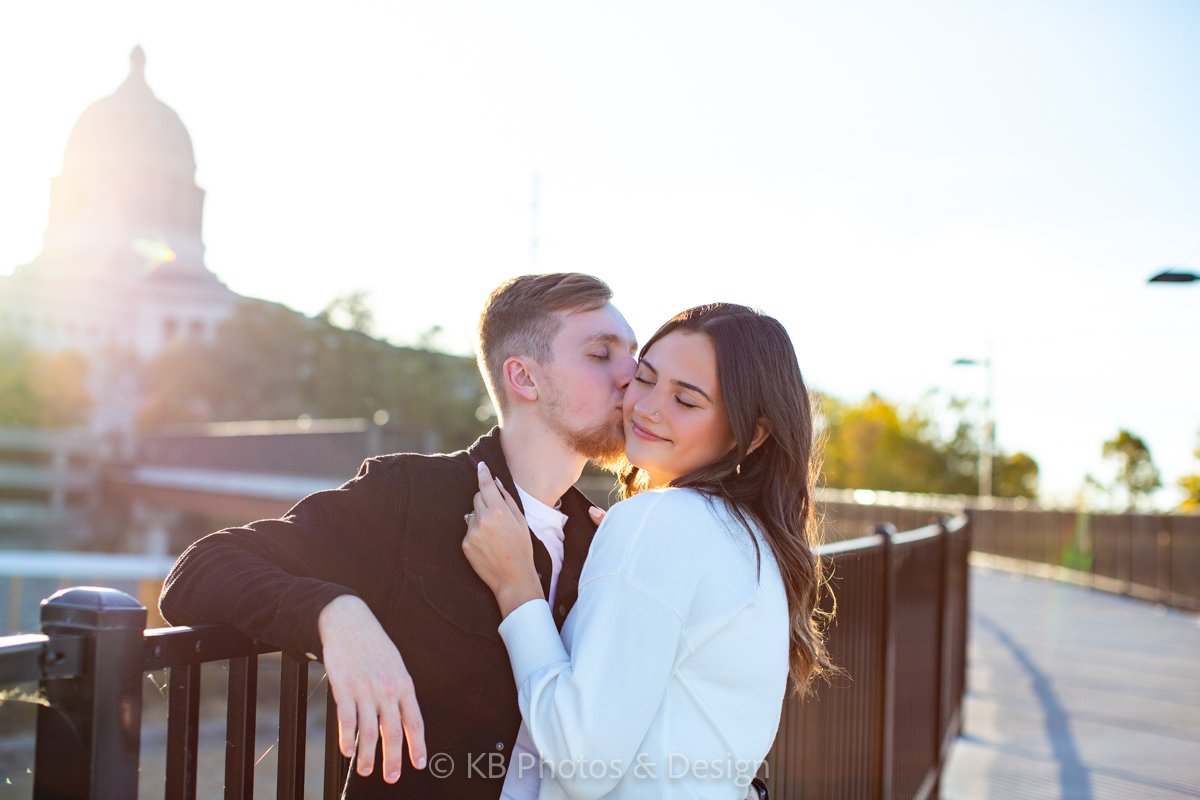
[(902, 184)]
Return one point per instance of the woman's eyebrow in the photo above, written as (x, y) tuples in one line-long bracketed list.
[(684, 384), (694, 388)]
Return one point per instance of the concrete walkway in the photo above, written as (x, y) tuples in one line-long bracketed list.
[(1073, 693)]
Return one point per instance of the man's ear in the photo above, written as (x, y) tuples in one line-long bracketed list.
[(518, 379), (761, 432)]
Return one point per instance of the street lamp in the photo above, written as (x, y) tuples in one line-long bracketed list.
[(988, 445), (1173, 275)]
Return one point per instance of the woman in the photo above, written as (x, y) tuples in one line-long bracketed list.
[(699, 595)]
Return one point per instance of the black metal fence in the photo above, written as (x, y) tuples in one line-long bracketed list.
[(880, 731), (884, 728)]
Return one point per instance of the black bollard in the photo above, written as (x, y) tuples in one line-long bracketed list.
[(89, 734)]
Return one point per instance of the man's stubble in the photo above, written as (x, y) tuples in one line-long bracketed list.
[(602, 443)]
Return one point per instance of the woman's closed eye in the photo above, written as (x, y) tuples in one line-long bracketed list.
[(685, 403), (645, 381), (604, 356)]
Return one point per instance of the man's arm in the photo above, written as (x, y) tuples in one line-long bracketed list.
[(303, 583)]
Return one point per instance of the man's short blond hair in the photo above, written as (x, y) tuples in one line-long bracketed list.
[(520, 318)]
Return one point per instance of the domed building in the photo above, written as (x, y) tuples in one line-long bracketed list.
[(121, 271)]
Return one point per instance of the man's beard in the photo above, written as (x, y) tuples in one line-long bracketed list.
[(603, 444)]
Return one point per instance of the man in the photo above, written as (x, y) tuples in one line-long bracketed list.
[(370, 578)]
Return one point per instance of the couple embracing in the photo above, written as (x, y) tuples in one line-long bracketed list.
[(472, 617)]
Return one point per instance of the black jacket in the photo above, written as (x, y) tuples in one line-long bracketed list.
[(392, 536)]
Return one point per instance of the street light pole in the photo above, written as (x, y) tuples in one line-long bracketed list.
[(987, 446)]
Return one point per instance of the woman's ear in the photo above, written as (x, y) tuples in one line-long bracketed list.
[(518, 379), (760, 435)]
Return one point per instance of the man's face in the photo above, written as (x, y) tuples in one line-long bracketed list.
[(592, 362)]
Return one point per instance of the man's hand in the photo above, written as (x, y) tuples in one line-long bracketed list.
[(372, 688)]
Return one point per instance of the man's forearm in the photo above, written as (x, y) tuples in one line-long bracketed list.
[(225, 579)]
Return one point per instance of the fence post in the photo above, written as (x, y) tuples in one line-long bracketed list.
[(964, 631), (887, 666), (89, 733), (944, 640), (1162, 560)]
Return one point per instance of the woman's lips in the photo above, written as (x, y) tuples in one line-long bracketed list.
[(642, 433)]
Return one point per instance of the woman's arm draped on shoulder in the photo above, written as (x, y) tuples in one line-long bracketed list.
[(596, 703), (271, 578)]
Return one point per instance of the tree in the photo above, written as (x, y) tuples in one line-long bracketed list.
[(1135, 468), (1191, 485), (875, 444), (351, 311), (269, 362), (1014, 475), (40, 389)]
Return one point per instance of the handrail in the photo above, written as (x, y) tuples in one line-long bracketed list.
[(90, 716), (198, 644)]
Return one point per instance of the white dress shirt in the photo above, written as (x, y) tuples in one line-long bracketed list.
[(522, 780)]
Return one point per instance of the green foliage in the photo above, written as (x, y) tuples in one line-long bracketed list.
[(1135, 468), (42, 390), (269, 362), (875, 444)]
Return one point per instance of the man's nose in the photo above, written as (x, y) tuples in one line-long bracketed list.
[(627, 368)]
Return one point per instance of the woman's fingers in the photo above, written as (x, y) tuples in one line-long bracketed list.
[(487, 488), (508, 500)]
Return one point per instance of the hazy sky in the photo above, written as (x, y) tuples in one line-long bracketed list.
[(902, 184)]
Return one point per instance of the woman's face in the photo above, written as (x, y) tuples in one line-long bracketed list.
[(675, 420)]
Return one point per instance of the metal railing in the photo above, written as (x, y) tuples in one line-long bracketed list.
[(885, 727), (880, 731), (1153, 557)]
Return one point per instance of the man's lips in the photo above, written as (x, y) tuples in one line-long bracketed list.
[(642, 433)]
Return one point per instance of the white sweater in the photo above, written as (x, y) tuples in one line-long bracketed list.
[(669, 677)]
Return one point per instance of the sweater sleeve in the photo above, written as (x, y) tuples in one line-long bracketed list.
[(272, 578), (594, 705)]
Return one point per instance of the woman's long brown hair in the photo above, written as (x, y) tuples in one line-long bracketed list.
[(760, 384)]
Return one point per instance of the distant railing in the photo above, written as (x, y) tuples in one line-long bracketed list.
[(1154, 557), (880, 731)]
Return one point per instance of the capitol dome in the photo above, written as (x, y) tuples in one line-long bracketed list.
[(131, 130), (128, 176), (122, 260)]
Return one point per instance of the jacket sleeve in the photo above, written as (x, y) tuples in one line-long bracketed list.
[(272, 578)]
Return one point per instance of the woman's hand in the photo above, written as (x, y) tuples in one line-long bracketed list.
[(499, 547)]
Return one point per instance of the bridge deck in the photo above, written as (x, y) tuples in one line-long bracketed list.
[(1075, 693)]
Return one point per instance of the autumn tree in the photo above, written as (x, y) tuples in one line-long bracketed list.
[(1136, 471), (876, 444), (42, 389), (1191, 485)]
